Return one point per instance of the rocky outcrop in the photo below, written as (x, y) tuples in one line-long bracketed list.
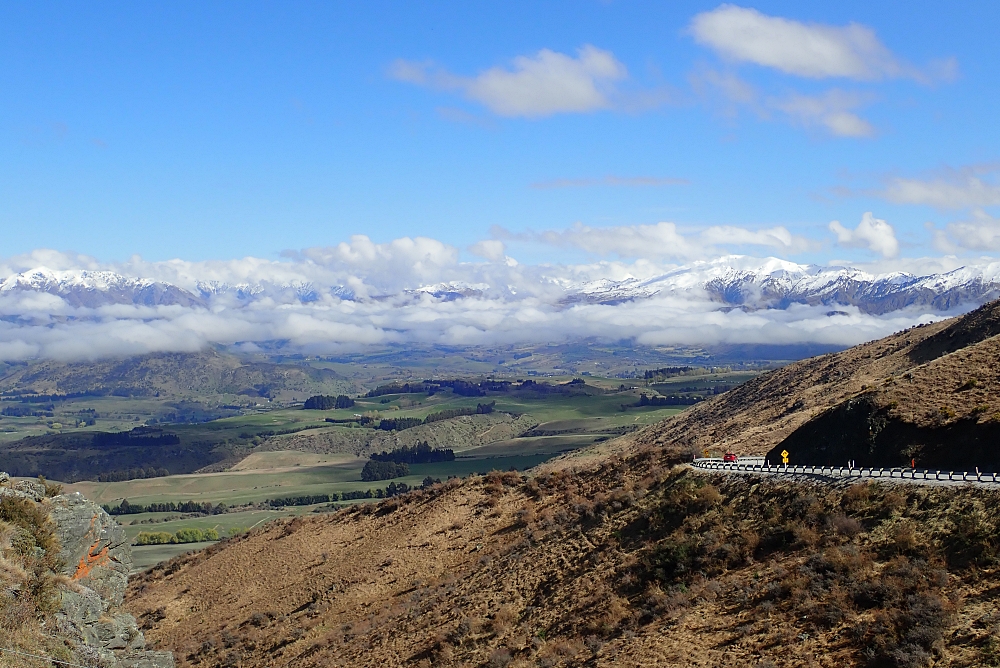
[(96, 559)]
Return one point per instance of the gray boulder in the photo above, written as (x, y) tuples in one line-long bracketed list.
[(95, 550), (97, 558)]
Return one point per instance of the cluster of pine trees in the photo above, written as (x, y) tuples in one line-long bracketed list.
[(671, 400), (405, 388), (480, 409), (393, 489), (142, 436), (322, 402), (375, 470), (132, 474), (126, 508), (421, 453), (399, 424), (666, 372)]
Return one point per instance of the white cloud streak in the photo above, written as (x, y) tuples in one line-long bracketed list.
[(538, 85), (973, 186), (663, 240), (810, 50), (980, 233), (833, 111), (872, 233)]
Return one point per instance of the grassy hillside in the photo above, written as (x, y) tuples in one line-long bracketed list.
[(618, 554), (173, 374), (628, 563)]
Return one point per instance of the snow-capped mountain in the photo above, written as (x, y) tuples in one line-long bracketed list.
[(732, 282), (452, 290), (91, 289), (777, 284), (297, 291)]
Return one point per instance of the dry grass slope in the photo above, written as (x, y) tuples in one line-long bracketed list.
[(632, 563), (621, 556)]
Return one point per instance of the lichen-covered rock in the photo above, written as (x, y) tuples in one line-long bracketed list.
[(22, 489), (95, 550), (97, 558)]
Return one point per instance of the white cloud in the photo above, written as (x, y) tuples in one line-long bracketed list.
[(810, 50), (777, 238), (974, 186), (535, 86), (662, 240), (489, 249), (416, 291), (831, 110), (650, 241), (871, 233), (981, 233)]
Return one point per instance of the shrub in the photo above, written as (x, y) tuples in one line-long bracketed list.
[(153, 538)]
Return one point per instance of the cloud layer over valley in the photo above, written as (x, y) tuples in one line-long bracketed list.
[(361, 294)]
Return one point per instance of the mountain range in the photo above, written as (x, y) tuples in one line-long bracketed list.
[(731, 282)]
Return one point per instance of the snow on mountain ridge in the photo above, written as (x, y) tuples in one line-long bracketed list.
[(732, 281)]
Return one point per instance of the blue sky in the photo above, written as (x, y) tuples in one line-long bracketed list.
[(223, 130)]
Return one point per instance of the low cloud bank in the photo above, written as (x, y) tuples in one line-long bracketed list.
[(361, 294)]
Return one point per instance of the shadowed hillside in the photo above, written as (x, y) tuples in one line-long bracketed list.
[(929, 393), (172, 374)]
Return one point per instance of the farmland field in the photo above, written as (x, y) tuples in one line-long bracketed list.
[(271, 452)]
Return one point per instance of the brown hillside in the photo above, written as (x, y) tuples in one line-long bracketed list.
[(619, 556), (601, 568)]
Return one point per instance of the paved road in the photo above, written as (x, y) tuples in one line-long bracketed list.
[(757, 466)]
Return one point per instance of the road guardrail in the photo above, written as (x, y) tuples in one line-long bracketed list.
[(758, 465)]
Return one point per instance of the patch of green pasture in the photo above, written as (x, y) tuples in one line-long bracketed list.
[(147, 556), (229, 487), (237, 488), (125, 520), (222, 523)]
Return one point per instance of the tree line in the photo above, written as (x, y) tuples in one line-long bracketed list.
[(667, 371), (401, 423), (671, 400), (205, 508), (376, 470), (480, 409), (324, 402), (180, 536), (132, 474), (393, 489), (421, 453)]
